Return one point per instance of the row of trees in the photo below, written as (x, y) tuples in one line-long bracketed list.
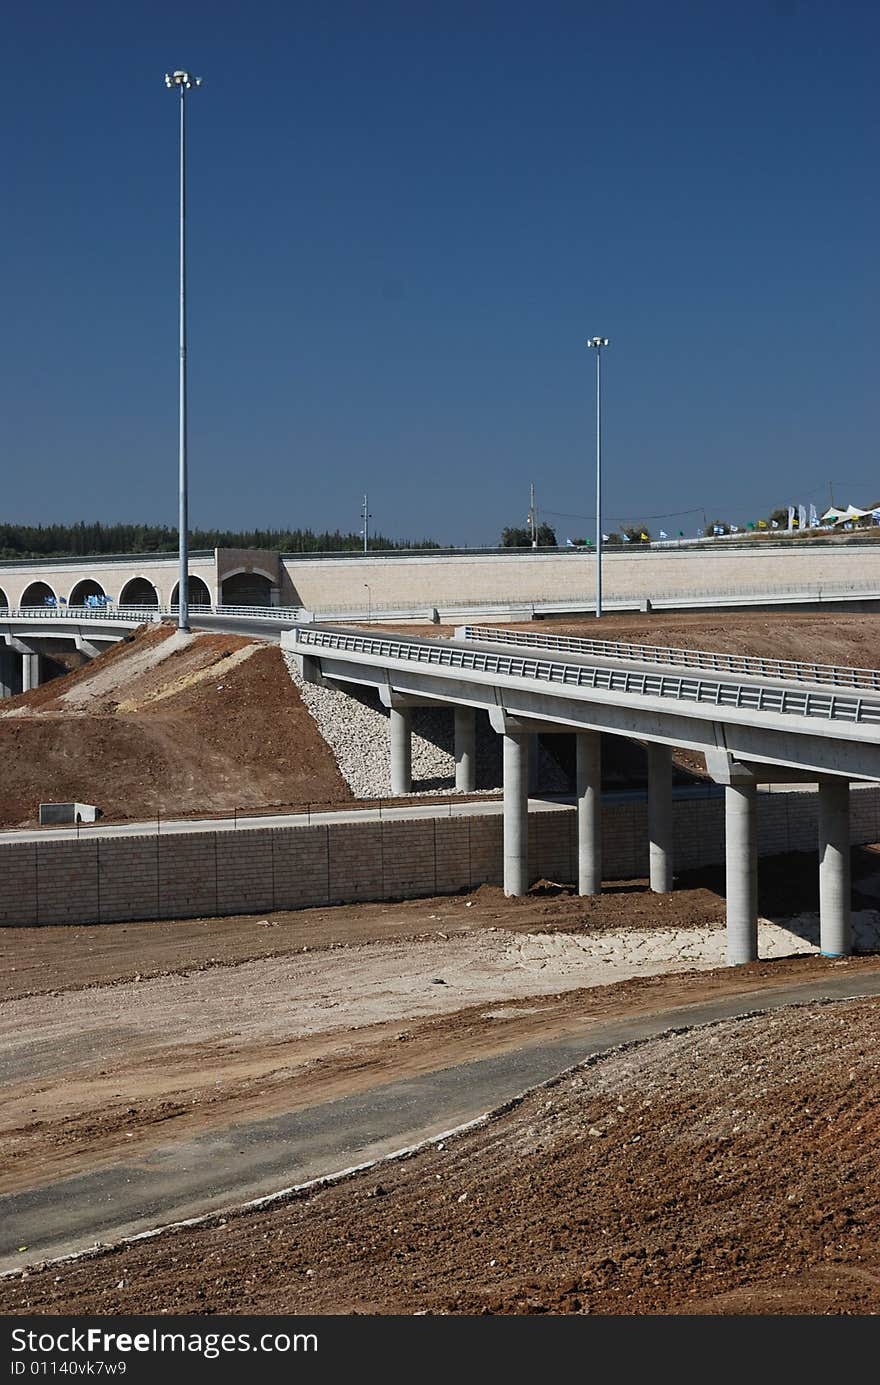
[(522, 538), (87, 540)]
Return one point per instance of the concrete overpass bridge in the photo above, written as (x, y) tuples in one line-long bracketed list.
[(226, 576), (761, 727)]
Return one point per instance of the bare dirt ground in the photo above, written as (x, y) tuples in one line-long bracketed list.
[(729, 1169), (159, 726), (726, 1170), (708, 1192)]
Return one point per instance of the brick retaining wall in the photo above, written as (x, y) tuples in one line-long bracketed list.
[(246, 871)]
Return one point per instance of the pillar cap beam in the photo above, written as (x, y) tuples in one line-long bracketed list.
[(725, 769), (402, 702)]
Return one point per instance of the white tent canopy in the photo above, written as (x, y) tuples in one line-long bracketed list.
[(834, 516)]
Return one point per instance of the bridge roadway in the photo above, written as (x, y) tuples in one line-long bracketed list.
[(750, 730)]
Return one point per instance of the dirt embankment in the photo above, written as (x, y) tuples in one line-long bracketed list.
[(170, 725), (729, 1169)]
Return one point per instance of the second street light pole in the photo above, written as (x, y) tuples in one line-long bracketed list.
[(184, 82), (597, 343)]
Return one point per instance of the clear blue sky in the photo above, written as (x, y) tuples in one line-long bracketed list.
[(404, 221)]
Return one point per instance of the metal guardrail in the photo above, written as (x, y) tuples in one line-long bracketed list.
[(261, 612), (755, 697), (133, 614), (798, 671), (139, 614)]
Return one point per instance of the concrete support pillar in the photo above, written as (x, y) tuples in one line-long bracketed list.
[(30, 672), (741, 851), (465, 749), (9, 679), (588, 749), (516, 813), (835, 900), (660, 816), (400, 733), (534, 763)]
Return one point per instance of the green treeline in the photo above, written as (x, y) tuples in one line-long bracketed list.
[(86, 540)]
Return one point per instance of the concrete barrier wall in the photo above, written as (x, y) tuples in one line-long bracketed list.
[(213, 874), (334, 583)]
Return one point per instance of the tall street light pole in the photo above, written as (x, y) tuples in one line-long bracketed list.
[(596, 344), (184, 82)]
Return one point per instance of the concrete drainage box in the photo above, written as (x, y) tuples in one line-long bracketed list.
[(67, 812)]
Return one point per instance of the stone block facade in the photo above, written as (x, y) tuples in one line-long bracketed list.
[(255, 870)]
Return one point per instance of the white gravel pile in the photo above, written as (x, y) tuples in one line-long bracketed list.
[(355, 726)]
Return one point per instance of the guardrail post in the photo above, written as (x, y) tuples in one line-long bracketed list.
[(741, 856), (835, 896), (589, 811)]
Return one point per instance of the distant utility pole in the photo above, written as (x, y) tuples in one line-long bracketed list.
[(533, 518), (831, 493), (366, 516)]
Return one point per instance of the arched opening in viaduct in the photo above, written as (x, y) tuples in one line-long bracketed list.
[(4, 601), (38, 594), (139, 592), (246, 589), (199, 595), (83, 590)]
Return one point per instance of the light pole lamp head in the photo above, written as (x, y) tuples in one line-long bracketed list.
[(182, 79), (597, 342)]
